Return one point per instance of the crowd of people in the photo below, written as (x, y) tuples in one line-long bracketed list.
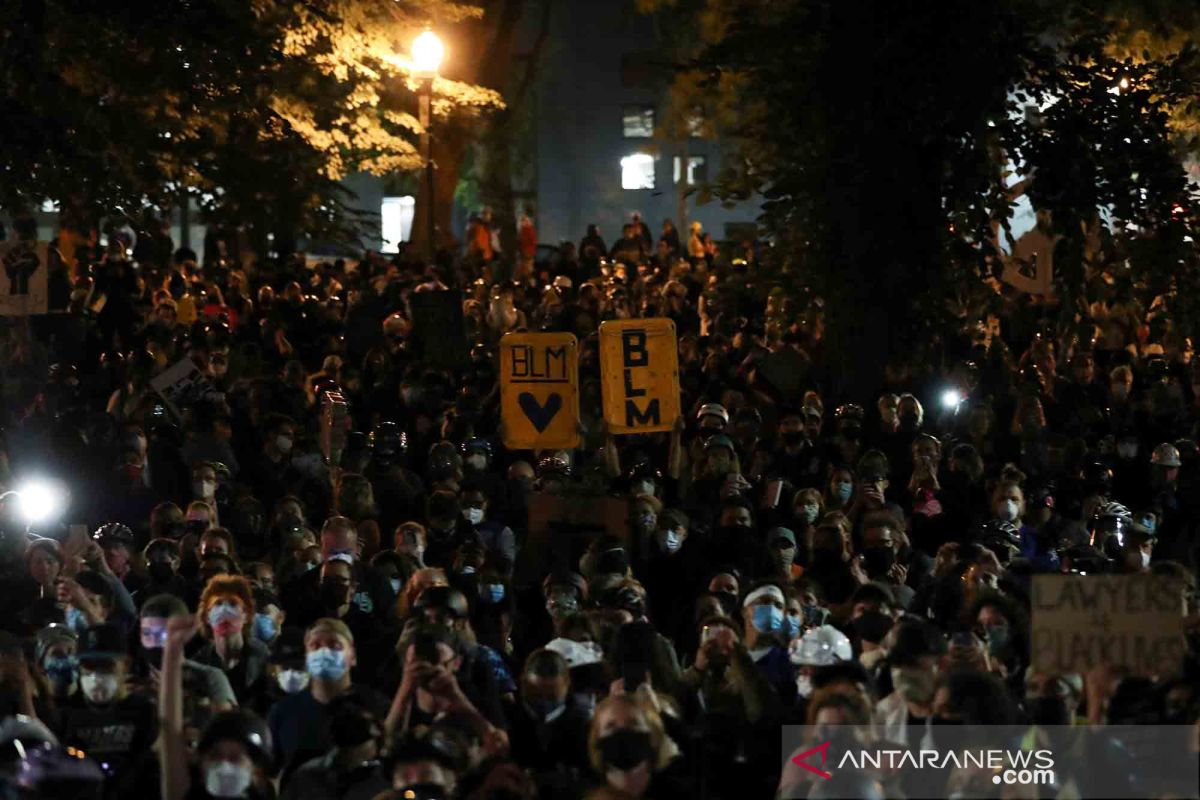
[(200, 602)]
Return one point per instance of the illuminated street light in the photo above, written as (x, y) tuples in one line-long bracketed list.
[(427, 53)]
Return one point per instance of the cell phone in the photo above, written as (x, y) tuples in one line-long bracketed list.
[(634, 673), (77, 540), (425, 648), (774, 493)]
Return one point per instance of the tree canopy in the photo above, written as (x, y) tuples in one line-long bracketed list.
[(256, 108), (885, 138)]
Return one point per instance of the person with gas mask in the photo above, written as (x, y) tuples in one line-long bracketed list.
[(235, 753), (104, 719), (353, 767)]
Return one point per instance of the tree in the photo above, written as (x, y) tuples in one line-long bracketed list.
[(883, 136), (258, 109)]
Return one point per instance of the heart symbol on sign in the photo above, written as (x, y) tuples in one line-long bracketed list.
[(540, 415)]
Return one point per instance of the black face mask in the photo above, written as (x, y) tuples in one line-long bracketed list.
[(908, 421), (197, 526), (878, 560), (333, 595), (174, 530), (1047, 711), (624, 749), (160, 571), (792, 438)]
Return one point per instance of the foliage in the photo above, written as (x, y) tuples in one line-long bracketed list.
[(884, 137), (255, 108)]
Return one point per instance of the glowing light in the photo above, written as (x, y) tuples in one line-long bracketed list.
[(951, 398), (427, 53), (40, 501)]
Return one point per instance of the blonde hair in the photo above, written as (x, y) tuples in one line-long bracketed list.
[(663, 746), (330, 625)]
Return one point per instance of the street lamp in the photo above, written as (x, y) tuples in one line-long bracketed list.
[(427, 53)]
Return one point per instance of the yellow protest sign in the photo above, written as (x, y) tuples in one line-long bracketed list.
[(539, 391), (639, 365)]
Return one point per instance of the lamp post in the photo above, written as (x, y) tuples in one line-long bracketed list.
[(427, 52)]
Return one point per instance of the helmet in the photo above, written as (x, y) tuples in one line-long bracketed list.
[(443, 598), (388, 441), (720, 440), (553, 465), (1113, 510), (713, 410), (1097, 477), (820, 647), (477, 446), (1002, 538), (1165, 455), (113, 533), (248, 730), (849, 411)]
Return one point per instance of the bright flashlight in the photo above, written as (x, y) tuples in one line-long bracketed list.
[(40, 500), (951, 398)]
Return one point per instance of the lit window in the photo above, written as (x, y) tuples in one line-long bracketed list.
[(638, 122), (697, 170), (396, 215), (637, 171)]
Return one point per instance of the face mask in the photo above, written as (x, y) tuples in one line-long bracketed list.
[(333, 595), (225, 779), (914, 685), (492, 593), (1006, 510), (292, 680), (562, 606), (670, 541), (1149, 524), (791, 626), (204, 489), (808, 513), (878, 560), (226, 618), (477, 463), (1145, 559), (1048, 711), (196, 526), (1127, 451), (62, 672), (160, 571), (804, 685), (283, 444), (767, 618), (542, 709), (624, 749), (997, 638), (843, 490), (98, 687), (264, 628), (792, 438), (397, 584), (75, 619), (326, 664), (473, 515), (1120, 391)]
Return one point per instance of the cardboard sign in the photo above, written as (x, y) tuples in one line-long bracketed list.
[(181, 385), (539, 391), (438, 328), (1130, 621), (639, 365), (23, 270), (560, 529)]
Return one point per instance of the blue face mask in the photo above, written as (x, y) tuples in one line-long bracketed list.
[(62, 671), (791, 626), (767, 618), (76, 620), (264, 628), (1149, 524), (843, 491), (326, 664), (491, 593)]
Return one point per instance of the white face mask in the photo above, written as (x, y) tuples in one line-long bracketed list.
[(226, 779), (1145, 559), (283, 444), (1006, 510), (205, 489), (98, 687), (473, 515), (809, 513), (804, 686), (292, 680)]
